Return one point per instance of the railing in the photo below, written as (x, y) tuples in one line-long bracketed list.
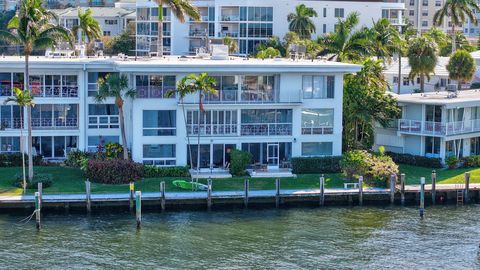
[(461, 127), (228, 34), (103, 121), (246, 97), (198, 33), (212, 129), (317, 130), (438, 128), (228, 18), (266, 129), (160, 131), (57, 123), (57, 91), (153, 92), (14, 123), (5, 91)]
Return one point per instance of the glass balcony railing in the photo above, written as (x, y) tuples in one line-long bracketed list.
[(438, 128)]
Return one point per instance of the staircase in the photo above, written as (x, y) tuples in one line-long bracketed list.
[(460, 189)]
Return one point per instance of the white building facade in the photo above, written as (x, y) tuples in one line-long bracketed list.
[(275, 109)]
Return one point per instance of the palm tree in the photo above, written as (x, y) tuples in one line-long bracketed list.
[(32, 28), (88, 26), (406, 34), (180, 9), (422, 57), (232, 44), (23, 99), (345, 44), (201, 84), (384, 39), (116, 86), (301, 22), (458, 11), (461, 67)]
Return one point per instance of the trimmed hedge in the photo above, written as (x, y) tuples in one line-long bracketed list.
[(177, 171), (15, 160), (115, 171), (45, 179), (316, 164), (414, 160)]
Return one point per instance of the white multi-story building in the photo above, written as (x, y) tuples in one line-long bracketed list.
[(275, 109), (249, 22)]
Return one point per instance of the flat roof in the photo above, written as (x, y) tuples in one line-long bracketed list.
[(440, 68), (464, 97)]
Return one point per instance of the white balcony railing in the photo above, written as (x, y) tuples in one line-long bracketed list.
[(56, 91), (438, 128), (247, 97), (13, 123), (54, 123), (266, 129), (213, 129), (317, 130)]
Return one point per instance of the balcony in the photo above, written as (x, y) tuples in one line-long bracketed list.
[(5, 91), (14, 123), (266, 129), (154, 92), (229, 18), (233, 34), (56, 91), (213, 129), (57, 123), (438, 128), (317, 130), (198, 32)]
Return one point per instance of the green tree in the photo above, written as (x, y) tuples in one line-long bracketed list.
[(32, 28), (384, 39), (180, 9), (461, 42), (458, 11), (232, 44), (269, 52), (116, 86), (88, 26), (461, 67), (364, 103), (439, 37), (123, 43), (23, 99), (197, 84), (422, 57), (345, 44), (301, 22)]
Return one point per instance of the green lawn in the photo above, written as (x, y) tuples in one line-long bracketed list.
[(69, 180)]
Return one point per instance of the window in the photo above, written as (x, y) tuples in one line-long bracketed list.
[(425, 3), (9, 144), (425, 23), (318, 87), (93, 82), (317, 121), (155, 86), (95, 141), (9, 117), (432, 147), (258, 88), (339, 12), (317, 148), (438, 3), (406, 81), (212, 122), (111, 22), (106, 33), (54, 146), (55, 116), (159, 154), (159, 123), (411, 12), (425, 13), (103, 116), (266, 122), (324, 12)]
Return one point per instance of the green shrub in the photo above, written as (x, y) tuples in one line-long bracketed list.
[(421, 161), (452, 162), (75, 157), (471, 161), (177, 171), (114, 171), (45, 179), (15, 160), (239, 162), (113, 150), (316, 165), (355, 163)]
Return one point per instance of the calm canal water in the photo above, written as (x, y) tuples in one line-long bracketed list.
[(300, 238)]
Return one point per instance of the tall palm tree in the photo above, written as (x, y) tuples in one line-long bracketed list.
[(23, 99), (180, 9), (116, 86), (301, 22), (422, 57), (384, 39), (406, 34), (32, 28), (201, 84), (345, 44), (88, 26), (458, 11)]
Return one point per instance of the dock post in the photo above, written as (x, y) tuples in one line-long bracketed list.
[(422, 196), (132, 194), (393, 178), (277, 192), (402, 188), (434, 187), (467, 186), (88, 195), (138, 206), (322, 190), (360, 190), (40, 190), (38, 207), (246, 187), (209, 194), (162, 195)]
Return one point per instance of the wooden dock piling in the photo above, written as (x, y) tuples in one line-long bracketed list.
[(277, 192), (138, 207), (402, 188), (209, 194), (162, 195), (360, 190), (322, 191), (393, 179), (422, 197), (38, 207), (246, 188), (132, 194), (467, 186), (88, 196), (40, 191), (434, 187)]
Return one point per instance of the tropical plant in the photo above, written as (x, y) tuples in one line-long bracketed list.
[(116, 86), (422, 57), (32, 28), (232, 44), (23, 99), (88, 26), (461, 43), (461, 67), (196, 84), (438, 36), (458, 11), (345, 44), (180, 9), (269, 52), (384, 39), (300, 21), (365, 103)]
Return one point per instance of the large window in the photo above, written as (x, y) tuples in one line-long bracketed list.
[(55, 116), (94, 142), (266, 122), (212, 122), (317, 148), (9, 144), (93, 78), (318, 87), (432, 147), (155, 86), (227, 89), (260, 153), (8, 81), (317, 121), (258, 88), (159, 154), (159, 123), (54, 85), (10, 117), (54, 146), (103, 116)]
